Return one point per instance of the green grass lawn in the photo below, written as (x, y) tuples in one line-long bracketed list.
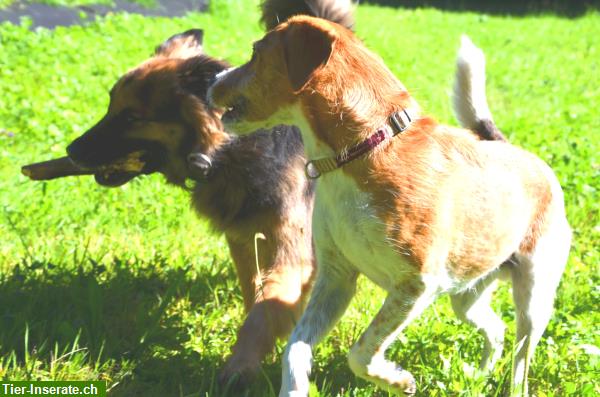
[(128, 286)]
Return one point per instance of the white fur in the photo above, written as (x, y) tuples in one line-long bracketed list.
[(345, 214), (473, 307), (300, 360), (534, 285), (350, 240), (469, 99)]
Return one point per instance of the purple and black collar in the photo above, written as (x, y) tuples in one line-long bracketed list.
[(397, 123)]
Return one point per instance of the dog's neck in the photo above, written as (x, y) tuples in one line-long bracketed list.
[(397, 123), (341, 122), (344, 109)]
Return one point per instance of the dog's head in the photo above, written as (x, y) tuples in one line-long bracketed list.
[(282, 64), (318, 65), (156, 117)]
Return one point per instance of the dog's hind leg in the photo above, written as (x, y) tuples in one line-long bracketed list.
[(473, 307), (535, 280), (367, 356)]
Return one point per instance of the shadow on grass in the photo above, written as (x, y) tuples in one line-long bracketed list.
[(570, 9), (139, 318), (129, 314)]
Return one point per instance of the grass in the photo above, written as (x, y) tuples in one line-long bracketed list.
[(128, 286)]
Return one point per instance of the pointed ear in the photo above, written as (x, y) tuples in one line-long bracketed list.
[(306, 50), (183, 45)]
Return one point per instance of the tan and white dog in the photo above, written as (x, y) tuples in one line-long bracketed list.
[(418, 207)]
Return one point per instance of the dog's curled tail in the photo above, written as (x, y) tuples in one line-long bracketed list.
[(469, 99), (275, 12)]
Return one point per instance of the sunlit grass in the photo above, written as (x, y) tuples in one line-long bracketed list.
[(127, 285)]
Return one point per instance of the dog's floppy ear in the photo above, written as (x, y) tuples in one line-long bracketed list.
[(183, 45), (306, 50)]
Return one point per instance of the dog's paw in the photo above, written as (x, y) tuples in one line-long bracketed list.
[(237, 374), (199, 165), (393, 378), (405, 382)]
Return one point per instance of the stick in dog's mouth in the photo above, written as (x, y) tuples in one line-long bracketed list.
[(51, 169), (121, 171), (114, 174)]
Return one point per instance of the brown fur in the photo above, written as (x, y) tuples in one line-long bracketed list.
[(165, 96), (454, 207), (363, 97), (256, 184)]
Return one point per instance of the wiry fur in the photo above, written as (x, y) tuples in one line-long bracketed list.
[(469, 98), (435, 210)]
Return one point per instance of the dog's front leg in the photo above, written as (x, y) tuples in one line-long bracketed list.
[(274, 297), (366, 358), (277, 308), (256, 338), (333, 290)]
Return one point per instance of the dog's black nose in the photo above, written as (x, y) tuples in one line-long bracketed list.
[(74, 150), (85, 152)]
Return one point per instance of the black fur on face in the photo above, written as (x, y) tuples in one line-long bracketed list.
[(105, 143), (159, 109)]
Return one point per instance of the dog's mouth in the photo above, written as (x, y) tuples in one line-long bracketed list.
[(114, 179), (124, 169), (118, 169), (235, 111)]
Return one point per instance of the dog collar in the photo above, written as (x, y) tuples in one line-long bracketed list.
[(397, 123)]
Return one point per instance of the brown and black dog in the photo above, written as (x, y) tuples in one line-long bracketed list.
[(158, 120)]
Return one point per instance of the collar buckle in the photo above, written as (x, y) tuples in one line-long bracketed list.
[(400, 121), (311, 170)]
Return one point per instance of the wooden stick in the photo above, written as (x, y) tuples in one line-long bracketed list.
[(51, 169)]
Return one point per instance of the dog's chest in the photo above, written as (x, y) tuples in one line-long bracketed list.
[(345, 221)]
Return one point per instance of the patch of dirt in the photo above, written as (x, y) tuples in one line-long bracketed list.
[(51, 16)]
